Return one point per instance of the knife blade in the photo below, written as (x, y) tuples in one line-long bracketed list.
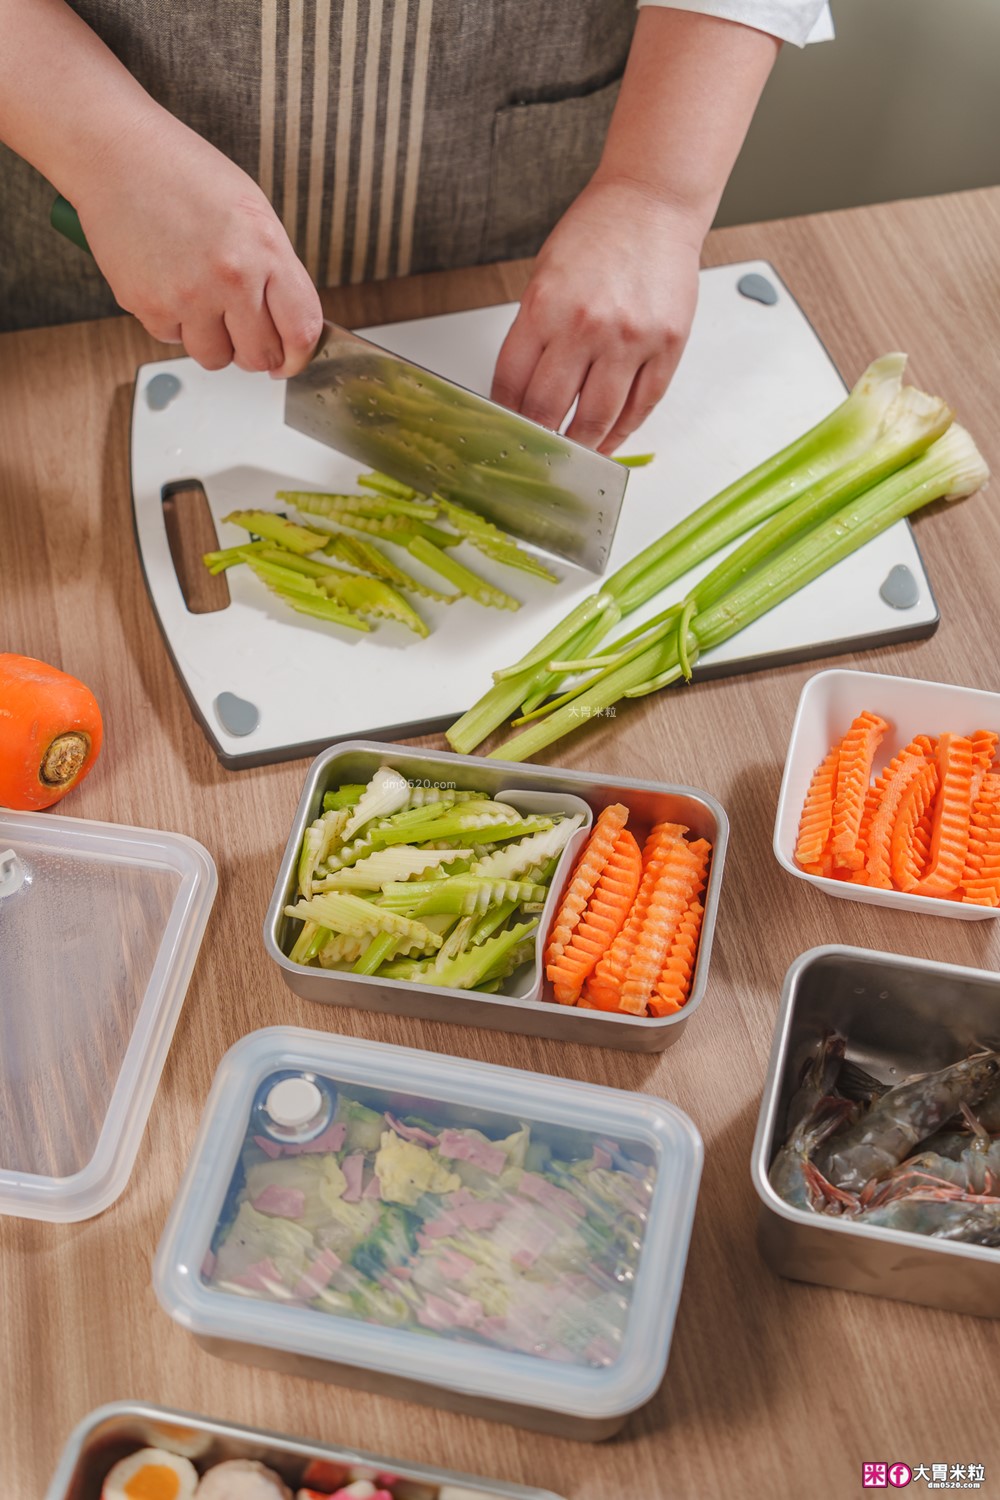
[(439, 438)]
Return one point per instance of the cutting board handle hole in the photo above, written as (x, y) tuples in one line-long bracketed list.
[(191, 533)]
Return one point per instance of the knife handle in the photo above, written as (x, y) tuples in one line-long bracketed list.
[(65, 219)]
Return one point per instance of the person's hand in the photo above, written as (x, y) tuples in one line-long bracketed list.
[(605, 316), (191, 246)]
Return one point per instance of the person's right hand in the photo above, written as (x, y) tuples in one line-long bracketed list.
[(191, 246)]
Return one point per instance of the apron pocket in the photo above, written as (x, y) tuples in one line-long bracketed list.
[(543, 156)]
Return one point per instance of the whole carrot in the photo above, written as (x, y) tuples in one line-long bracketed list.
[(50, 733)]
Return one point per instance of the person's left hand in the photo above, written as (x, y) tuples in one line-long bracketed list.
[(605, 316)]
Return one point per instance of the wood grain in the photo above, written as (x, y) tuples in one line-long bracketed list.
[(774, 1389)]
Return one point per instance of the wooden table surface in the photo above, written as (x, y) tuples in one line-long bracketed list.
[(774, 1389)]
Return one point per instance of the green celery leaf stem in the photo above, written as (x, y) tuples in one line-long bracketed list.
[(840, 437), (950, 468)]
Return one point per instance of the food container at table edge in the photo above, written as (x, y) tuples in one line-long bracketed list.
[(112, 1432), (828, 703), (100, 927), (900, 1016), (468, 1247), (524, 1010)]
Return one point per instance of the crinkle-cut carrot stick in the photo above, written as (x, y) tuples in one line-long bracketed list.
[(660, 837), (905, 859), (854, 769), (817, 815), (674, 982), (894, 780), (922, 841), (585, 876), (984, 748), (603, 919), (679, 881), (952, 813), (981, 876), (603, 987)]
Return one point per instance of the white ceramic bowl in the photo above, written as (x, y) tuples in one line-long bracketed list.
[(829, 702)]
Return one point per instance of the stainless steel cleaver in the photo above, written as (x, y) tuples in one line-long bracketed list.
[(439, 438)]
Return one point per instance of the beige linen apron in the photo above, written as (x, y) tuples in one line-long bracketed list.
[(392, 136)]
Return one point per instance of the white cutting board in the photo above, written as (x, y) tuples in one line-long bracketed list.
[(752, 378)]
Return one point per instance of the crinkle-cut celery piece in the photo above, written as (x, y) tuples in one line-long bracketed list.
[(372, 596), (266, 523), (500, 833), (357, 848), (342, 948), (471, 967), (319, 839), (354, 591), (378, 950), (433, 824), (343, 912), (465, 895), (508, 963), (951, 468), (400, 530), (463, 578), (348, 795), (231, 557), (310, 940), (864, 418), (493, 542), (384, 484), (376, 507), (386, 793), (360, 553), (511, 862), (388, 865), (456, 942), (491, 921), (444, 796), (293, 589)]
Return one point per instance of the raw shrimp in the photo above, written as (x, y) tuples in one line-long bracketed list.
[(874, 1146), (813, 1115), (945, 1218)]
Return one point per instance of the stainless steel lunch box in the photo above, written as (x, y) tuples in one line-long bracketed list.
[(900, 1016), (112, 1432), (648, 801)]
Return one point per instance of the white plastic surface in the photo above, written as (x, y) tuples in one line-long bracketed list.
[(97, 944), (829, 702), (294, 1102), (477, 1370), (752, 378)]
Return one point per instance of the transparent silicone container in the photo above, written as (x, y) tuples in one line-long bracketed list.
[(484, 1239), (100, 926)]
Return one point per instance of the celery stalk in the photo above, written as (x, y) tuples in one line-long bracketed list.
[(866, 417), (951, 468)]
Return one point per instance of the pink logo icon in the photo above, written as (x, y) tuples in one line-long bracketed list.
[(875, 1476), (900, 1475)]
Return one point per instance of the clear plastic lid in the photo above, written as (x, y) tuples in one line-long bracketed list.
[(490, 1231), (100, 926)]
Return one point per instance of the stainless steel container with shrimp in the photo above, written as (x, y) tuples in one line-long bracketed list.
[(529, 1012), (901, 1016), (112, 1432)]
